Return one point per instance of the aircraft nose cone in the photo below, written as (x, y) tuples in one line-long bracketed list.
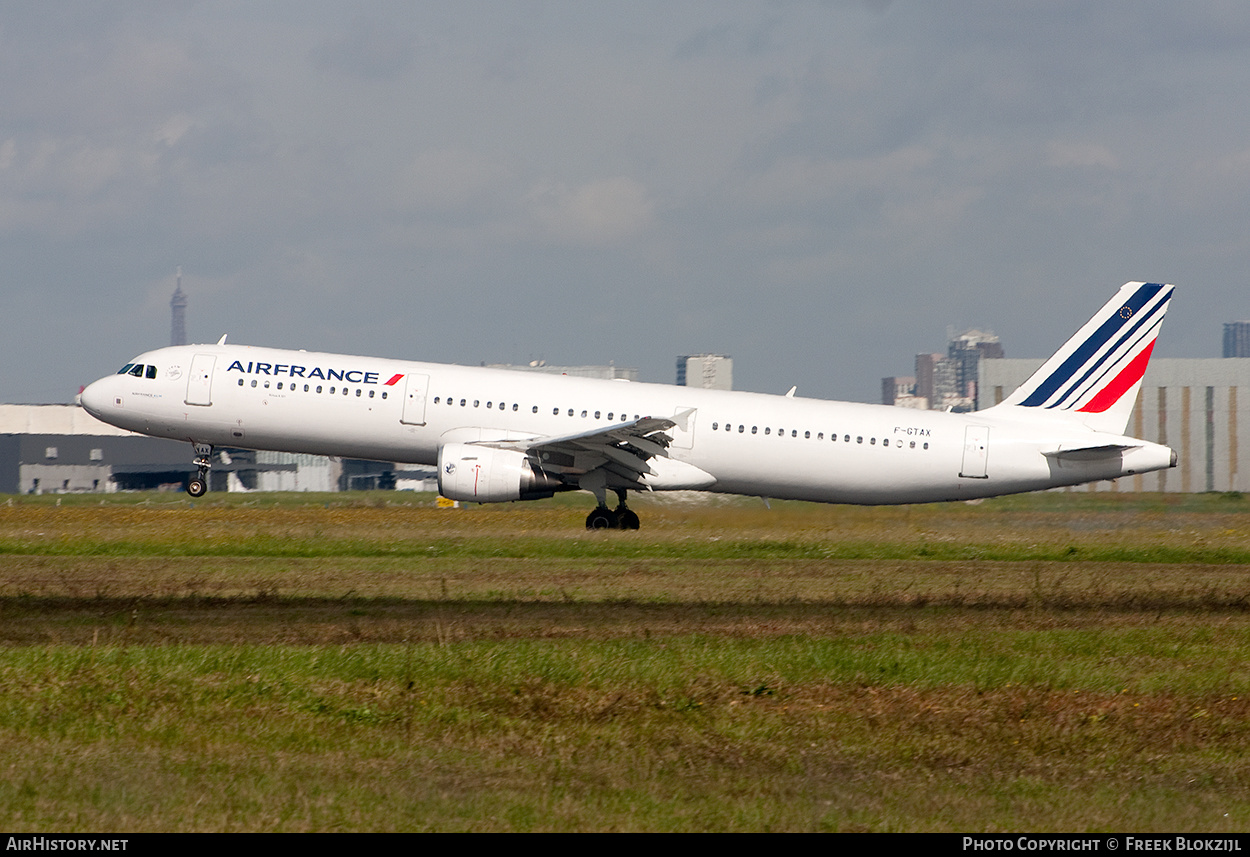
[(94, 398)]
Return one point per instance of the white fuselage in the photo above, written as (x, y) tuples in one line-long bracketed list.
[(748, 443)]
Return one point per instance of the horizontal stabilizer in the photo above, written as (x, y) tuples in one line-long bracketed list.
[(1090, 453)]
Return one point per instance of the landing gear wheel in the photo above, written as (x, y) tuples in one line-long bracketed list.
[(602, 518), (627, 519), (198, 486)]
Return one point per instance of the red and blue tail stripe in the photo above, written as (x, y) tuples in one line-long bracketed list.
[(1098, 368)]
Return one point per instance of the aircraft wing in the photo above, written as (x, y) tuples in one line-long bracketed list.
[(621, 450)]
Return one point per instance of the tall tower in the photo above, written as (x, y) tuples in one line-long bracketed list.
[(178, 313)]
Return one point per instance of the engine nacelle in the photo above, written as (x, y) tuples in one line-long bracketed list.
[(482, 474)]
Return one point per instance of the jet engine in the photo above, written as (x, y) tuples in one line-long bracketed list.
[(481, 474)]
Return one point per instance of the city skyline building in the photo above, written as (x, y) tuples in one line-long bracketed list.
[(709, 371), (1237, 339), (945, 381)]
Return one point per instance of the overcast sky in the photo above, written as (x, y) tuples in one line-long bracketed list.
[(817, 188)]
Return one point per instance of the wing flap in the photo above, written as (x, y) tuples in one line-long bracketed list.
[(624, 448)]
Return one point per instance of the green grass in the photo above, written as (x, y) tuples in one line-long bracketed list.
[(1057, 662), (879, 733)]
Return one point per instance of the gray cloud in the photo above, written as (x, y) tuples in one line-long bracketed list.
[(817, 188)]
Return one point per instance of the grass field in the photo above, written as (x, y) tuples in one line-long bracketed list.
[(1065, 661)]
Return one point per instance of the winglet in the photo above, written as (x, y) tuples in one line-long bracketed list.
[(682, 418)]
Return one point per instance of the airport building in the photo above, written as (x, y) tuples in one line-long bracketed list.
[(61, 449), (50, 449), (1198, 407), (604, 373)]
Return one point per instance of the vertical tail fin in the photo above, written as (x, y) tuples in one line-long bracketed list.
[(1097, 373)]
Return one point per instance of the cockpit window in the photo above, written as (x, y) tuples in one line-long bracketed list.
[(151, 373), (125, 369), (137, 370)]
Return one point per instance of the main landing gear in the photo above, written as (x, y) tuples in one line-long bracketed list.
[(620, 518), (198, 486)]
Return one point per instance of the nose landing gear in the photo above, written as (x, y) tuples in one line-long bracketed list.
[(198, 486)]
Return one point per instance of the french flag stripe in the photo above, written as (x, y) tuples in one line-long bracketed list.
[(1111, 393)]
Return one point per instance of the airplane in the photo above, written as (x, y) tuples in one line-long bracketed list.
[(497, 435)]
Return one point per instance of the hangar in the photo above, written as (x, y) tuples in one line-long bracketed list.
[(63, 449), (1196, 406)]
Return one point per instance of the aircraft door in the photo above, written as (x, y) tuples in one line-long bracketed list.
[(414, 400), (200, 380), (976, 453)]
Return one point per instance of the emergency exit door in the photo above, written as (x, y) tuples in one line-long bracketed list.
[(414, 400)]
